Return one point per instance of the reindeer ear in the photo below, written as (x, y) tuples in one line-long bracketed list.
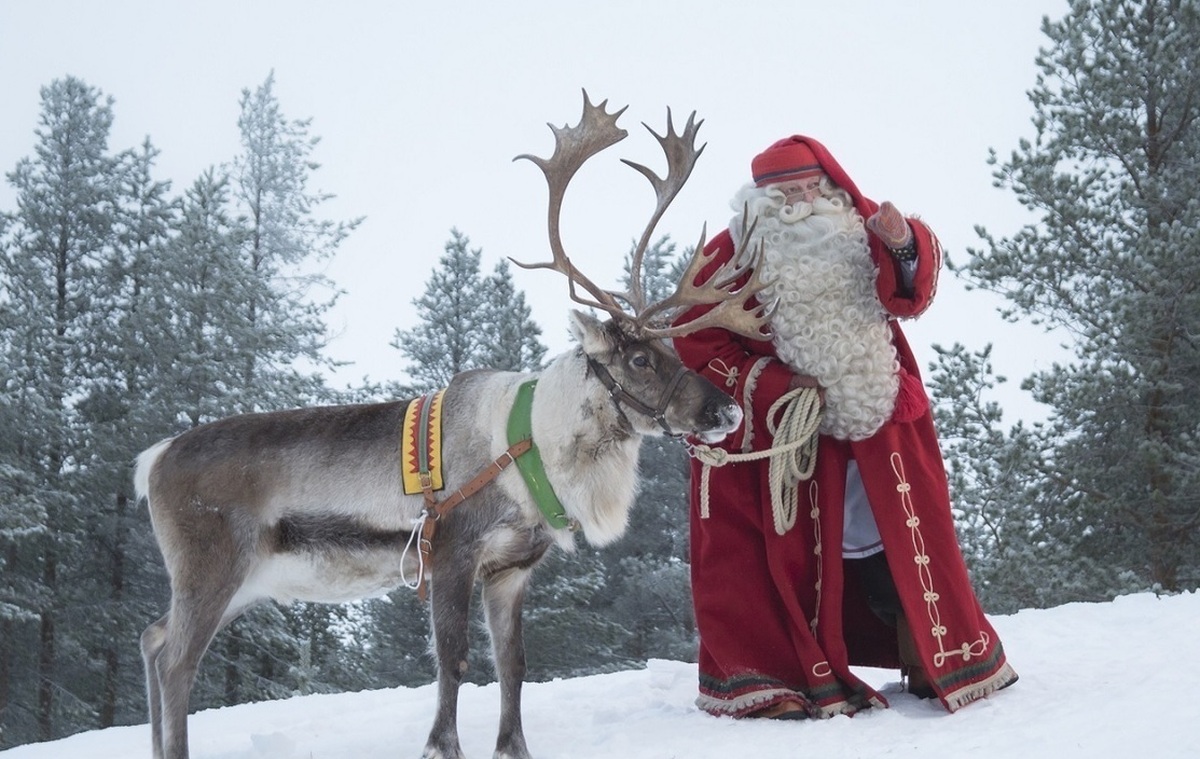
[(589, 331)]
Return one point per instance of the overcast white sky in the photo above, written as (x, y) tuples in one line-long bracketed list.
[(421, 108)]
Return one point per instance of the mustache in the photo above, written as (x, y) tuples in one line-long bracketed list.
[(790, 214)]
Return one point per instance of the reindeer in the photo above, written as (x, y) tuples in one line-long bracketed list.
[(308, 504)]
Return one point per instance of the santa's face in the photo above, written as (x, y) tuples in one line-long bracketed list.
[(806, 189)]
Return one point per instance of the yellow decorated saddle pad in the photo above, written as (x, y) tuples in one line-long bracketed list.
[(421, 444)]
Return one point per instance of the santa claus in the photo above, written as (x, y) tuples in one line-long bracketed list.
[(868, 571)]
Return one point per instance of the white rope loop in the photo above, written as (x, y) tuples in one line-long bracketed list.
[(793, 457), (418, 523)]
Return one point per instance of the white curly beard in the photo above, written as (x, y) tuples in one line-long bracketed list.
[(829, 323)]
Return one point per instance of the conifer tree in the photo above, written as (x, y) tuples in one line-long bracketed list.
[(201, 300), (118, 571), (126, 316), (661, 270), (1114, 261), (270, 182), (514, 344), (395, 633), (1017, 544), (466, 321), (22, 522), (51, 269), (449, 320)]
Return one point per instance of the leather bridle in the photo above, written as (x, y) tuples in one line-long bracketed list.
[(622, 396)]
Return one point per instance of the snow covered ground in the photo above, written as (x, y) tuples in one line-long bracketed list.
[(1097, 680)]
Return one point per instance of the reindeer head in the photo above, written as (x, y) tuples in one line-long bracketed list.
[(629, 353)]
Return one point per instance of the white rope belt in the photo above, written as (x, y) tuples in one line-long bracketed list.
[(793, 455)]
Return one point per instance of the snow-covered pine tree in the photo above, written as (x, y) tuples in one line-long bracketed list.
[(1113, 174), (513, 344), (23, 519), (124, 317), (270, 183), (452, 332), (662, 268), (1008, 530), (52, 278), (119, 570), (205, 279)]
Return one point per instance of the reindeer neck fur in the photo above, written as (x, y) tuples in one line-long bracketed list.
[(589, 449)]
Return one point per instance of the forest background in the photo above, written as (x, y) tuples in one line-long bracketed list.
[(130, 311)]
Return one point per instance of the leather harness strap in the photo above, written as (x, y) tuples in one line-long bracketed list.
[(434, 509), (535, 479), (620, 395)]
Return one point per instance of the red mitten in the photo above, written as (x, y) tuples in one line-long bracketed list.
[(889, 225)]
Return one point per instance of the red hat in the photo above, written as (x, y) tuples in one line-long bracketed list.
[(786, 160)]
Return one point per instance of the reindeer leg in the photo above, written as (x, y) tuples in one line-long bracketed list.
[(503, 595), (450, 597), (176, 649), (152, 644)]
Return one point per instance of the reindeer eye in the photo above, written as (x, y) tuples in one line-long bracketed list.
[(640, 361)]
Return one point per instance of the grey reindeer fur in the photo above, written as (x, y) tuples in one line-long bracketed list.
[(308, 505)]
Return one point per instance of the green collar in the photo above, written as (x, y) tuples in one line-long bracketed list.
[(530, 464)]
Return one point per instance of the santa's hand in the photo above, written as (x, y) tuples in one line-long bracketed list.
[(889, 225), (805, 381)]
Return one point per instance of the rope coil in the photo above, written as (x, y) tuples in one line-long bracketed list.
[(793, 457)]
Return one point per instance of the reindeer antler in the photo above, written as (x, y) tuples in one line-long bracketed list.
[(596, 131), (733, 287), (682, 154), (730, 288)]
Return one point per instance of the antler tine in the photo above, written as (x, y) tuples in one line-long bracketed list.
[(596, 131), (682, 153), (731, 287)]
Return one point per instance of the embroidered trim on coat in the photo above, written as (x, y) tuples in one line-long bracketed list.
[(721, 369), (936, 629), (748, 388), (815, 515)]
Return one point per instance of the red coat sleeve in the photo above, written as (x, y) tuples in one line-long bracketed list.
[(889, 285)]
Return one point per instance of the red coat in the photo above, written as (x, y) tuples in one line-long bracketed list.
[(778, 617)]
